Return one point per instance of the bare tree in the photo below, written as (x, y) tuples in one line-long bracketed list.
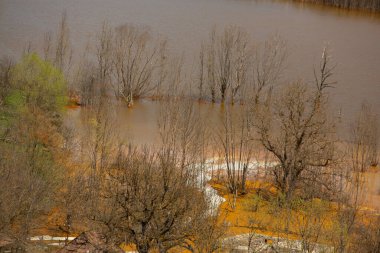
[(209, 235), (268, 64), (104, 54), (93, 79), (237, 146), (351, 179), (150, 202), (88, 85), (226, 63), (63, 52), (365, 139), (71, 200), (136, 58), (296, 130), (24, 194), (201, 78), (211, 65), (180, 126), (349, 198), (310, 223), (47, 44), (241, 63), (100, 148), (56, 47), (87, 90), (367, 238), (102, 134), (180, 123)]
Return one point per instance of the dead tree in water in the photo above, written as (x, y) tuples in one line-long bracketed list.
[(224, 64), (104, 51), (268, 64), (137, 56)]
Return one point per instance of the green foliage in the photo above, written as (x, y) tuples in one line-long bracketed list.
[(30, 118), (35, 86), (37, 83), (15, 100)]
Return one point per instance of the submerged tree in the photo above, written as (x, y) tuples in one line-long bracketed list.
[(104, 53), (224, 63), (137, 57), (231, 69)]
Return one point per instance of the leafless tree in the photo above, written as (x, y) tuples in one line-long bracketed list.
[(202, 77), (296, 130), (349, 197), (268, 65), (310, 223), (235, 139), (149, 201), (87, 90), (56, 47), (63, 51), (71, 200), (209, 235), (210, 66), (102, 133), (351, 179), (365, 139), (47, 44), (181, 126), (24, 193), (100, 147), (104, 55), (225, 59), (137, 56), (88, 85), (93, 79), (367, 238)]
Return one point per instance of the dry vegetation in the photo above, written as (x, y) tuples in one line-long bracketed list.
[(157, 198)]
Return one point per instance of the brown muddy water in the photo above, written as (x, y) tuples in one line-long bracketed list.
[(353, 38), (139, 125)]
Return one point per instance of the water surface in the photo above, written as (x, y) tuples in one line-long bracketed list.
[(354, 39)]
